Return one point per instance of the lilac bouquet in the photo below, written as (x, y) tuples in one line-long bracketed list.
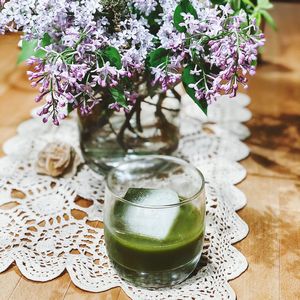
[(86, 52)]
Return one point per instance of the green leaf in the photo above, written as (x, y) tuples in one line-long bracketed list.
[(236, 5), (248, 2), (254, 63), (70, 108), (29, 49), (264, 4), (268, 19), (152, 19), (159, 57), (219, 2), (185, 6), (112, 55), (46, 40), (258, 19), (119, 96), (187, 79)]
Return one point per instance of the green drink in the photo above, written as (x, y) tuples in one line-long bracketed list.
[(154, 219), (155, 256)]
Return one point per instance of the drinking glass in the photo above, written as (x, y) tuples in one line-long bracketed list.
[(154, 220)]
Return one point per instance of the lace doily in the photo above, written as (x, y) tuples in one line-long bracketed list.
[(39, 232)]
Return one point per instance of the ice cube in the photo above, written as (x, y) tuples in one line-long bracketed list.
[(151, 222)]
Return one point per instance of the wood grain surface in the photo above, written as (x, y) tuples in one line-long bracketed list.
[(272, 187)]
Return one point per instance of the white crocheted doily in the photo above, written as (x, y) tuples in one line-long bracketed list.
[(39, 233)]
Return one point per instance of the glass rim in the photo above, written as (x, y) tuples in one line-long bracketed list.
[(166, 158)]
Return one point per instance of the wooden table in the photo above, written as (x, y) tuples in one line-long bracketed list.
[(273, 185)]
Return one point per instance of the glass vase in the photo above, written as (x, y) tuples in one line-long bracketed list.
[(151, 127)]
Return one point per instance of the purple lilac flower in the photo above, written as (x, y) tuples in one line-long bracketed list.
[(220, 46)]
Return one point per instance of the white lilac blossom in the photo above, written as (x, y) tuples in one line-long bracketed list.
[(91, 50), (145, 6)]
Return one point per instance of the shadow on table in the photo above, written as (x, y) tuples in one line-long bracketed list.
[(272, 236)]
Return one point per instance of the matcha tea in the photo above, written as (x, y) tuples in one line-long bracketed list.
[(151, 244)]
